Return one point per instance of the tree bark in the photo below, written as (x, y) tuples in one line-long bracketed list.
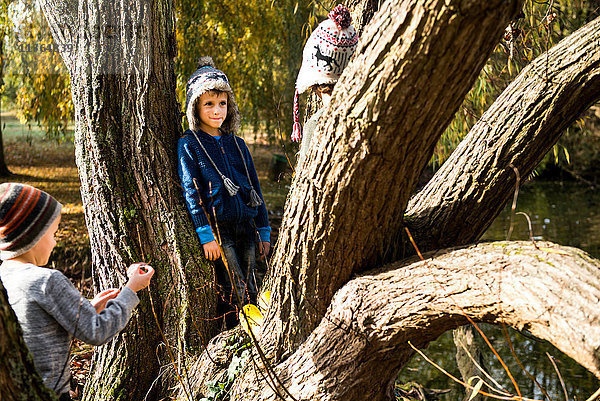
[(127, 125), (411, 70), (476, 182), (362, 12), (361, 343), (19, 381)]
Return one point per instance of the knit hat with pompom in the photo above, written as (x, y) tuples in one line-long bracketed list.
[(325, 55), (206, 78), (26, 214)]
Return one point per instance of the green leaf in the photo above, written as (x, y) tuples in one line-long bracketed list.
[(476, 388)]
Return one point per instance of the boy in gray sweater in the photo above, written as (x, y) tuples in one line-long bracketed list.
[(49, 308)]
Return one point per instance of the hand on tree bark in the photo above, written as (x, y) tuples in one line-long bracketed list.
[(139, 276)]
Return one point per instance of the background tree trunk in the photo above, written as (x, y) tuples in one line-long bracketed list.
[(467, 354), (19, 381), (127, 125), (389, 108), (4, 171), (476, 182)]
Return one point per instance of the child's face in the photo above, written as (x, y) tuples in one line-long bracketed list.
[(43, 248), (212, 109)]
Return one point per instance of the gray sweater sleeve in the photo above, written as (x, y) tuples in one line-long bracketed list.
[(77, 315)]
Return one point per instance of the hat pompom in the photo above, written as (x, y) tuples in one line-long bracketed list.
[(341, 16), (205, 61)]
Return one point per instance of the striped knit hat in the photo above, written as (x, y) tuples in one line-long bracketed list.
[(26, 213)]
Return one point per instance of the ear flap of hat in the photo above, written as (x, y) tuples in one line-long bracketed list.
[(233, 122)]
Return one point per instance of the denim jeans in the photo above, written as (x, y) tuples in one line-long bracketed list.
[(238, 242)]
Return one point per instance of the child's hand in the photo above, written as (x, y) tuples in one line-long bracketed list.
[(263, 249), (139, 276), (100, 300), (211, 250)]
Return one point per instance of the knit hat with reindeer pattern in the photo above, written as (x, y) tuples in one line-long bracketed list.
[(325, 55)]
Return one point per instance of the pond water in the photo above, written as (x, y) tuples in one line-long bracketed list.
[(566, 213)]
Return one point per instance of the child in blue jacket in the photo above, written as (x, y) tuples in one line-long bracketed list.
[(218, 177)]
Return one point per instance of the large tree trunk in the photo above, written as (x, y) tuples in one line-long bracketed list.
[(361, 343), (414, 64), (475, 183), (19, 381), (320, 350), (127, 125)]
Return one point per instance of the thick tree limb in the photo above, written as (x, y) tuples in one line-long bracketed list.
[(475, 183), (414, 64), (361, 343)]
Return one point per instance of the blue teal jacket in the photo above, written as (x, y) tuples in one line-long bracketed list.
[(194, 164)]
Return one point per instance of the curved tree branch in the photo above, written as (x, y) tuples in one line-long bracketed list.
[(358, 348), (475, 183)]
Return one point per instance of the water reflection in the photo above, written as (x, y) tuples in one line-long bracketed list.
[(565, 213)]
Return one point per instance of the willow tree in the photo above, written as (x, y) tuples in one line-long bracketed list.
[(328, 335)]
